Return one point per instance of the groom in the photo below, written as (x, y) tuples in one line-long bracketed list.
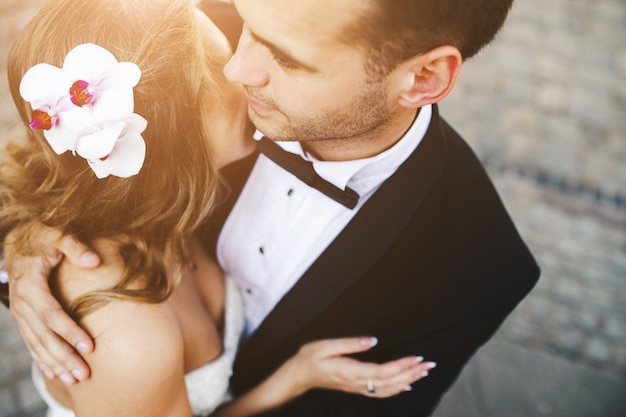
[(420, 252)]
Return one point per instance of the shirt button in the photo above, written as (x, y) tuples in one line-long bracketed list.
[(248, 291), (261, 249), (290, 192)]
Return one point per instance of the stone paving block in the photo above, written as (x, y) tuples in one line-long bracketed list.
[(38, 413), (533, 384), (7, 404), (554, 97), (6, 371), (597, 351), (27, 396)]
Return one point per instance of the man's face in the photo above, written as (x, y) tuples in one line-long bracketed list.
[(302, 82)]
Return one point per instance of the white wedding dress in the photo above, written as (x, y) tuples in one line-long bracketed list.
[(207, 386)]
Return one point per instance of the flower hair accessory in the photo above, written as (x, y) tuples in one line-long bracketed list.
[(87, 107)]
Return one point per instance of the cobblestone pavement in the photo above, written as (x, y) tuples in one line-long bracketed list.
[(544, 107)]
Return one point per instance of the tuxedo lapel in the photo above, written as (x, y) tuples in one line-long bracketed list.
[(359, 245)]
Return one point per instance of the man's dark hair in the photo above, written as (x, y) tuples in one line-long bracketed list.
[(392, 31)]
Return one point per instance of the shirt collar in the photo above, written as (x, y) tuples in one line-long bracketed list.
[(340, 173)]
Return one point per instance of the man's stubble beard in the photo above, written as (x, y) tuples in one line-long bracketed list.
[(367, 114)]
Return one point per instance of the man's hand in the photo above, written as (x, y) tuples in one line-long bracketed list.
[(48, 332)]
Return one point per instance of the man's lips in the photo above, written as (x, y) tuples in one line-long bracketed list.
[(258, 107)]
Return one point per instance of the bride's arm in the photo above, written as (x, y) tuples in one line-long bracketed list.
[(322, 364)]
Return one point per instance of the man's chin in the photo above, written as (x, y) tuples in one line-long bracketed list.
[(266, 124)]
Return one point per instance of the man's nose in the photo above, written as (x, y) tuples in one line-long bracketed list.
[(246, 66)]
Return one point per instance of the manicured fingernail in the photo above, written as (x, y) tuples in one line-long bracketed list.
[(424, 373), (89, 259), (408, 388), (67, 379), (77, 374), (49, 374), (82, 347), (431, 365), (419, 359), (369, 342)]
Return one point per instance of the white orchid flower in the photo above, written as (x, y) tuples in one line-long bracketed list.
[(87, 107), (46, 88), (123, 156), (101, 82)]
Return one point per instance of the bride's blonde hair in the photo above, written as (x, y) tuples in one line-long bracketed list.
[(175, 190)]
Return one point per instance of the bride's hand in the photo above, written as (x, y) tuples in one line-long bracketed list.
[(323, 364)]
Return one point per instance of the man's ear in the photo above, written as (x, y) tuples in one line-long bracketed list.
[(429, 77)]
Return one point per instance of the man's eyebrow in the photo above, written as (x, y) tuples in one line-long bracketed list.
[(282, 54)]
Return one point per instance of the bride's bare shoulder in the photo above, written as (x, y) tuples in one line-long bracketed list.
[(120, 324), (131, 332), (137, 364)]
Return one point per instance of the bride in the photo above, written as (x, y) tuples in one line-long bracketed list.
[(129, 119)]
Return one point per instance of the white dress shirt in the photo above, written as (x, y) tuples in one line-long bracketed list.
[(280, 226)]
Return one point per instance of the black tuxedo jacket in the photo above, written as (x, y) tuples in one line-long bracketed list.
[(431, 265)]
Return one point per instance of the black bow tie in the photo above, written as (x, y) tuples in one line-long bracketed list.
[(304, 171)]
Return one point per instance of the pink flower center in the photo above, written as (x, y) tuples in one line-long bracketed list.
[(41, 120), (80, 93)]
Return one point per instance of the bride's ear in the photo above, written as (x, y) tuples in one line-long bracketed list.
[(428, 78)]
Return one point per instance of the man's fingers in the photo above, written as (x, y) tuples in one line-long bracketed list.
[(31, 342), (56, 321), (32, 291), (77, 253), (49, 260), (49, 333), (52, 353), (35, 341), (45, 328), (54, 318), (45, 234)]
